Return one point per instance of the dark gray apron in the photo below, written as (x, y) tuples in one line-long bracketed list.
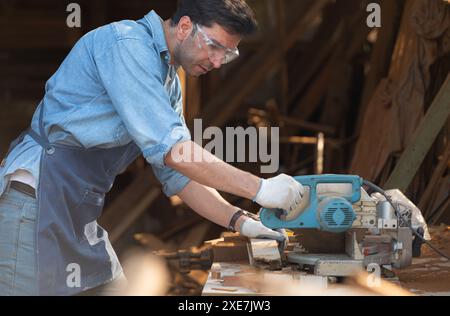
[(71, 192)]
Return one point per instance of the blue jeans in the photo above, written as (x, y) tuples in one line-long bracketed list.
[(18, 276), (17, 244)]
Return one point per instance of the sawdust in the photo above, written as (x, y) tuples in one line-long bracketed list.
[(429, 274)]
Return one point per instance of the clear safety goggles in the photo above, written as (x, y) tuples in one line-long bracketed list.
[(216, 51)]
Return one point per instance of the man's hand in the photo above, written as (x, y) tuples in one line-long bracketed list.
[(281, 192), (255, 229), (208, 203)]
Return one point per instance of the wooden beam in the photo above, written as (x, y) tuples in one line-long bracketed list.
[(130, 205), (309, 102), (443, 208), (323, 67), (378, 138), (431, 187), (196, 235), (382, 52), (424, 137), (282, 120), (318, 50)]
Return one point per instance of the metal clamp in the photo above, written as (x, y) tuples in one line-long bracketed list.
[(50, 150)]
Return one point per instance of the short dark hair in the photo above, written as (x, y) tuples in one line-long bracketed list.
[(235, 16)]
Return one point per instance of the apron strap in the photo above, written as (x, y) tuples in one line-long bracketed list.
[(42, 139)]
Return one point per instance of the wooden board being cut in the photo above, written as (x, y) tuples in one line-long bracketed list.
[(230, 248), (264, 253)]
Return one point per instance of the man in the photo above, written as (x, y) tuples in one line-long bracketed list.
[(114, 97)]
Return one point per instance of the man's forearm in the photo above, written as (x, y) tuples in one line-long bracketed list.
[(208, 203), (211, 171)]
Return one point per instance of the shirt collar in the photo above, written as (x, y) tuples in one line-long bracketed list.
[(154, 22)]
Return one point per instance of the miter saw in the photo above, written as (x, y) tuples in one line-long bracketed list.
[(376, 231)]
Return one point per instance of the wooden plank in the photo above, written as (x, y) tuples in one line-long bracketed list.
[(437, 174), (232, 247), (264, 253), (422, 140), (230, 252), (263, 249)]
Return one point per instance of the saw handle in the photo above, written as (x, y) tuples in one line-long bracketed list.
[(313, 181)]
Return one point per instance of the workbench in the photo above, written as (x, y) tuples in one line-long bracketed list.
[(240, 279)]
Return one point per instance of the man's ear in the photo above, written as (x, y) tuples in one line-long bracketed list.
[(184, 28)]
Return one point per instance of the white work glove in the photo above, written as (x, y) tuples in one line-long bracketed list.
[(282, 192), (255, 229)]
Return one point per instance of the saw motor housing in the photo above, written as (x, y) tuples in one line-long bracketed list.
[(371, 227), (332, 212)]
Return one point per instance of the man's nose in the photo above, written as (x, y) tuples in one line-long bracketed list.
[(216, 64)]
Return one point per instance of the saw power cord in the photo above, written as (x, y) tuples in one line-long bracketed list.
[(400, 216)]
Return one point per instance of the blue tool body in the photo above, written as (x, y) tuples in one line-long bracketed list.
[(328, 213)]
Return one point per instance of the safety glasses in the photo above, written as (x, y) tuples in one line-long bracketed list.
[(216, 51)]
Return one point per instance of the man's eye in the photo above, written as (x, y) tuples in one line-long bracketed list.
[(216, 49)]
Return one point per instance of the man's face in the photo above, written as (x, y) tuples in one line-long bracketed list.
[(193, 53)]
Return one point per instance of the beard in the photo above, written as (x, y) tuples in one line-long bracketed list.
[(185, 55)]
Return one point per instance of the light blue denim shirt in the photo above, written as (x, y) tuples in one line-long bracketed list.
[(115, 86)]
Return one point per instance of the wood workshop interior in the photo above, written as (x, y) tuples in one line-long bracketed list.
[(346, 94)]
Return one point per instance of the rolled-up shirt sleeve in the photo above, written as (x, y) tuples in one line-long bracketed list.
[(130, 72), (172, 181)]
